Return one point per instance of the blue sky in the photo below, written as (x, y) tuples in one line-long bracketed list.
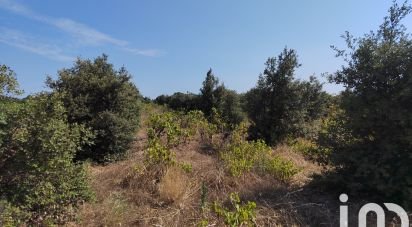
[(168, 46)]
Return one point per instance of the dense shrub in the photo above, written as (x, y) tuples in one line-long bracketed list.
[(39, 181), (280, 106), (104, 99), (377, 111)]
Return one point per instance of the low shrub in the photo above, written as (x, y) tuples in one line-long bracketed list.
[(167, 125), (242, 156), (157, 153), (239, 215), (278, 167)]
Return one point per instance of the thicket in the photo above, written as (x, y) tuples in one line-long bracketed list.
[(370, 137), (103, 99)]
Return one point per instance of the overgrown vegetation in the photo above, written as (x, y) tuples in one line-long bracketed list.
[(198, 147)]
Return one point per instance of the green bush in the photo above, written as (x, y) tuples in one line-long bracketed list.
[(11, 216), (38, 176), (242, 156), (104, 99), (157, 153), (377, 111), (242, 215), (167, 125), (278, 167)]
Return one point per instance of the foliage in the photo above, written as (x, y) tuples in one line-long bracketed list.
[(203, 196), (167, 124), (280, 106), (11, 216), (8, 82), (278, 167), (230, 108), (169, 129), (187, 167), (377, 109), (196, 123), (39, 177), (157, 153), (104, 99), (242, 215), (213, 97), (242, 156), (179, 101), (211, 94)]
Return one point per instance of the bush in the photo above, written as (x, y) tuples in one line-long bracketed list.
[(167, 124), (377, 111), (104, 99), (39, 177), (242, 156), (243, 215), (157, 153), (278, 167)]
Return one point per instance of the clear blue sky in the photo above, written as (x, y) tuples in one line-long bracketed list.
[(168, 46)]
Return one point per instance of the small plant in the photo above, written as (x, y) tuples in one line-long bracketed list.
[(203, 223), (168, 125), (241, 215), (187, 167), (303, 146), (203, 196), (278, 167), (157, 153), (240, 155)]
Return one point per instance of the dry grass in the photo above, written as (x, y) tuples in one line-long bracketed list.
[(129, 194), (173, 185)]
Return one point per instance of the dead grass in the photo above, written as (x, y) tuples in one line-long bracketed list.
[(173, 185)]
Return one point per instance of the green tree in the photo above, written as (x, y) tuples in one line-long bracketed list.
[(230, 108), (8, 82), (377, 106), (211, 94), (216, 97), (279, 105), (105, 100), (38, 175)]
